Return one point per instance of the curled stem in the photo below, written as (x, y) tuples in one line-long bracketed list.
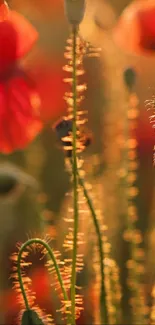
[(51, 255), (74, 170), (103, 303)]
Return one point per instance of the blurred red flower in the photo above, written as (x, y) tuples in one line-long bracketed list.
[(135, 30), (48, 76), (10, 306), (19, 123), (31, 96)]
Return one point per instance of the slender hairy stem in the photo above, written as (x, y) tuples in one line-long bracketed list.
[(74, 170), (51, 255), (103, 303), (20, 276)]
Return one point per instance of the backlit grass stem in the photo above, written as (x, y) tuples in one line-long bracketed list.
[(74, 170)]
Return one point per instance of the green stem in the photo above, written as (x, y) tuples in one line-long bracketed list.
[(74, 170), (51, 254), (103, 305), (20, 277)]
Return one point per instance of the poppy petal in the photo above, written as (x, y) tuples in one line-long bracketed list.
[(19, 123), (8, 45), (17, 36), (51, 91), (147, 28), (26, 33), (135, 30), (50, 86), (4, 10)]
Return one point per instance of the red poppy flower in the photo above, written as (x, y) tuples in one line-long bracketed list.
[(135, 31), (10, 305), (41, 286), (18, 121)]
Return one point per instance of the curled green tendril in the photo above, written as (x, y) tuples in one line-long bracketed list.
[(51, 255)]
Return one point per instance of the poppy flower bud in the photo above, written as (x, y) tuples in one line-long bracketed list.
[(30, 317), (74, 10), (130, 77)]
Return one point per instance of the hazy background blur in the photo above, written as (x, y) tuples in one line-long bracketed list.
[(44, 159)]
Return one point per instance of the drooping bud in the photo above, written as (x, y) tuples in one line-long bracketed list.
[(30, 317), (130, 77), (74, 10)]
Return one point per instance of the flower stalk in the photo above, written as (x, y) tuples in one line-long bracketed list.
[(103, 303), (74, 170)]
